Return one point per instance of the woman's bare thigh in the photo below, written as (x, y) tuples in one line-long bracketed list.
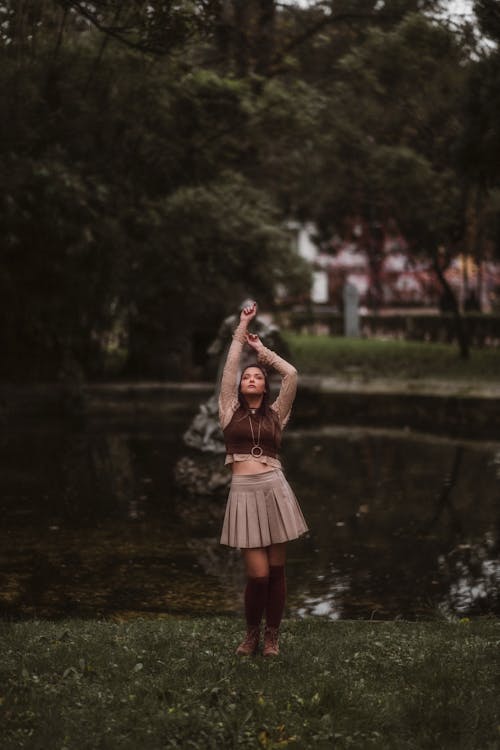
[(277, 553), (258, 559)]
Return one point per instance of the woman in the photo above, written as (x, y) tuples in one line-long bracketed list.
[(262, 512)]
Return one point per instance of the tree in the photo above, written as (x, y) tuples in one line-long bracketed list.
[(152, 153), (479, 145), (388, 136), (124, 204)]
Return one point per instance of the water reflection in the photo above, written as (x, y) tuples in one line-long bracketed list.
[(474, 572), (94, 525), (389, 508)]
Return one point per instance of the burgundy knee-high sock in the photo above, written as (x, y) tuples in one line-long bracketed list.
[(255, 599), (276, 595)]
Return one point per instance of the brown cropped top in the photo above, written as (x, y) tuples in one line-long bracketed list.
[(238, 434), (233, 418)]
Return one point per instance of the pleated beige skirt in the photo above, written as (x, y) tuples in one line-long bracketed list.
[(261, 510)]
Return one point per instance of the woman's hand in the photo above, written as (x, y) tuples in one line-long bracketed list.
[(254, 342), (248, 313)]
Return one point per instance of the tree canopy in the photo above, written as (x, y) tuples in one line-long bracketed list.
[(153, 153)]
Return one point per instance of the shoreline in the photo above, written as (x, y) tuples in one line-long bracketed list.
[(466, 409)]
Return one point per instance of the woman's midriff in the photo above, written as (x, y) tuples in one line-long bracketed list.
[(250, 467)]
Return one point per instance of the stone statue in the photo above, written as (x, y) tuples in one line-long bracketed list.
[(204, 432)]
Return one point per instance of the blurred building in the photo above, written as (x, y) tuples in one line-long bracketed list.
[(386, 273)]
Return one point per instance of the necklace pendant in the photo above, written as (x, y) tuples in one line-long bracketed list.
[(256, 451)]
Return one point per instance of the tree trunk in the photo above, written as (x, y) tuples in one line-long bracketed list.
[(452, 304), (264, 44), (478, 249), (224, 30), (241, 30)]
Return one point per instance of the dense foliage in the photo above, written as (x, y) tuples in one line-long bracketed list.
[(152, 155)]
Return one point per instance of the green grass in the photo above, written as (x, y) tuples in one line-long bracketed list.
[(328, 355), (176, 683)]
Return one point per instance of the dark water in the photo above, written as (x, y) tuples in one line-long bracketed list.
[(93, 525)]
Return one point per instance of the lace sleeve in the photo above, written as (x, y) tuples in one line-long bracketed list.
[(283, 404), (228, 396)]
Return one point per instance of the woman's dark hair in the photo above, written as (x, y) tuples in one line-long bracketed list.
[(264, 409)]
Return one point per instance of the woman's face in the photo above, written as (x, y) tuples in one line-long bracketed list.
[(252, 382)]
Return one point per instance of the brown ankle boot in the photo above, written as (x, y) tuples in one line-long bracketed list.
[(249, 646), (271, 647)]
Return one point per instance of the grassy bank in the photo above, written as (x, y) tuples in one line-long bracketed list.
[(175, 683), (328, 355)]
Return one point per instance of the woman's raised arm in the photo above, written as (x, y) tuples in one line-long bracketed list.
[(228, 395), (283, 404)]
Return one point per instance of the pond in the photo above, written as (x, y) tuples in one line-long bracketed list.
[(402, 525)]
